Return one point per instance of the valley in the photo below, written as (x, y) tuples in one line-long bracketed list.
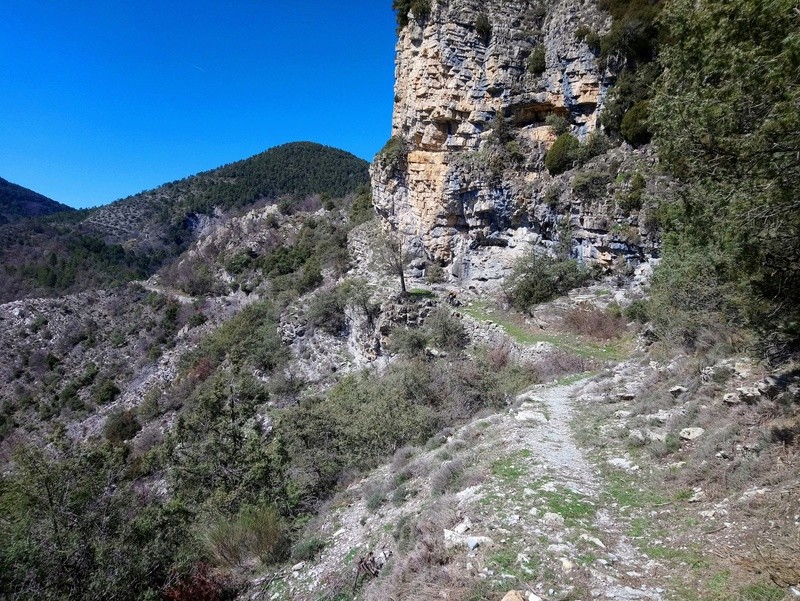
[(543, 348)]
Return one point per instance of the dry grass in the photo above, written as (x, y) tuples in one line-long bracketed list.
[(560, 362), (594, 323), (426, 571)]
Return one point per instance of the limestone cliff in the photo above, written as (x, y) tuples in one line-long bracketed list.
[(463, 177)]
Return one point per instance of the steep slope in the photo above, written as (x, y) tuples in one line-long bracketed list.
[(17, 203), (483, 90)]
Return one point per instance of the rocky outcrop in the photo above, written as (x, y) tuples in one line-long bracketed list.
[(464, 172)]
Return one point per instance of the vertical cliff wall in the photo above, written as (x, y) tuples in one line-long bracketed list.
[(464, 169)]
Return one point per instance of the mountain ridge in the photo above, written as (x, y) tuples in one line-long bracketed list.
[(18, 202)]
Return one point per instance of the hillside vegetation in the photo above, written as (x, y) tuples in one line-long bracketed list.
[(132, 238), (18, 203)]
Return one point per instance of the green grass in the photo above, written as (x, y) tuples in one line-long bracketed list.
[(627, 492), (510, 469), (617, 350), (570, 505), (690, 557)]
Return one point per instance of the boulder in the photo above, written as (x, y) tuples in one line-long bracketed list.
[(691, 433)]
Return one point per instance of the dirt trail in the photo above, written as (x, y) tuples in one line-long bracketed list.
[(569, 520)]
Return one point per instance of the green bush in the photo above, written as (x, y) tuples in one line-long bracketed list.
[(393, 154), (434, 274), (596, 143), (591, 185), (105, 391), (446, 331), (558, 124), (307, 549), (256, 532), (537, 61), (584, 33), (631, 199), (409, 342), (634, 127), (121, 426), (539, 278), (552, 196), (562, 154), (692, 302), (421, 10)]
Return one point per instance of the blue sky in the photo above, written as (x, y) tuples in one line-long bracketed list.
[(100, 99)]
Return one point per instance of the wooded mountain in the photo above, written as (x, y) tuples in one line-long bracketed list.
[(17, 202), (132, 237)]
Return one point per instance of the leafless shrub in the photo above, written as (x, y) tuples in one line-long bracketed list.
[(402, 456), (447, 475), (425, 571), (594, 323), (560, 362)]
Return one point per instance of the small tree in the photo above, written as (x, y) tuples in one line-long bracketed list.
[(390, 253)]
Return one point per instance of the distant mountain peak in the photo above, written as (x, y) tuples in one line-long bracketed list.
[(17, 202)]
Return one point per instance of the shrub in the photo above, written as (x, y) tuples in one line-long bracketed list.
[(631, 200), (562, 154), (434, 274), (421, 9), (691, 302), (591, 185), (558, 124), (634, 127), (552, 195), (393, 154), (121, 426), (537, 61), (637, 311), (409, 342), (447, 475), (307, 549), (584, 33), (105, 391), (256, 532), (446, 330), (595, 323), (483, 27), (595, 144), (539, 278)]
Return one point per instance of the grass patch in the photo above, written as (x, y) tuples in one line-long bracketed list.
[(690, 557), (570, 505), (518, 330), (510, 469), (627, 492)]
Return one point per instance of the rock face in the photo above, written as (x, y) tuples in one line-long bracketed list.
[(463, 178)]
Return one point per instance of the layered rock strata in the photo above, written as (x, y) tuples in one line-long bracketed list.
[(464, 172)]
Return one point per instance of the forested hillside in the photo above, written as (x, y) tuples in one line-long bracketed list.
[(17, 203), (131, 238)]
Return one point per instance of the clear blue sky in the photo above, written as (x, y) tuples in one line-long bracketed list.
[(100, 99)]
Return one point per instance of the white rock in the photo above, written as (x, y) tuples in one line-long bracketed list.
[(465, 525), (731, 398), (553, 520), (531, 416), (691, 433), (595, 541), (298, 566)]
